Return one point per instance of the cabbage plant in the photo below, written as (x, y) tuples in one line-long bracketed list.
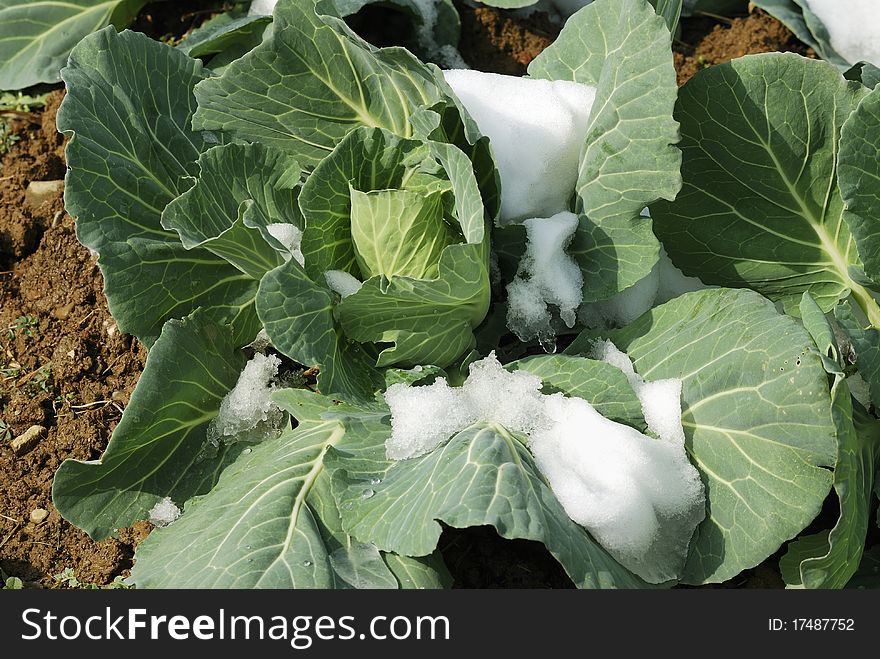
[(780, 195), (334, 207)]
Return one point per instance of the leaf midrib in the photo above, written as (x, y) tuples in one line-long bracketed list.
[(817, 224)]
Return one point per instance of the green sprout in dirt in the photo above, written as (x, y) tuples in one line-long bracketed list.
[(5, 431), (15, 105), (41, 380), (9, 372), (12, 583), (69, 579), (22, 324), (8, 582)]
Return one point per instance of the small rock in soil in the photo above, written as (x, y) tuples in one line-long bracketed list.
[(39, 515), (39, 192), (62, 313), (27, 440)]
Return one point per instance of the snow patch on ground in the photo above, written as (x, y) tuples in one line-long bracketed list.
[(449, 58), (640, 497)]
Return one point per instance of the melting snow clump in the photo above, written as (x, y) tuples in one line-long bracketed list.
[(450, 58), (536, 128), (422, 418), (164, 513), (546, 275), (660, 399), (640, 497), (625, 307), (290, 237), (673, 282), (662, 284), (247, 413), (854, 27), (342, 283)]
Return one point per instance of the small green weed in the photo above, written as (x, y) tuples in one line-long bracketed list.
[(68, 578), (22, 324), (13, 104)]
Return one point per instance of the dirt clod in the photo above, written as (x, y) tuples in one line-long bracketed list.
[(27, 440)]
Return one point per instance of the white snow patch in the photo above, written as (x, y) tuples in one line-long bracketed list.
[(673, 282), (536, 128), (449, 58), (262, 7), (639, 497), (164, 513), (290, 237), (546, 275), (423, 417), (625, 307), (853, 26), (342, 282), (662, 284), (247, 413), (660, 399)]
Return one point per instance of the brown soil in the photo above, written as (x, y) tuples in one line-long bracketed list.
[(65, 368), (492, 40), (68, 370), (705, 41)]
